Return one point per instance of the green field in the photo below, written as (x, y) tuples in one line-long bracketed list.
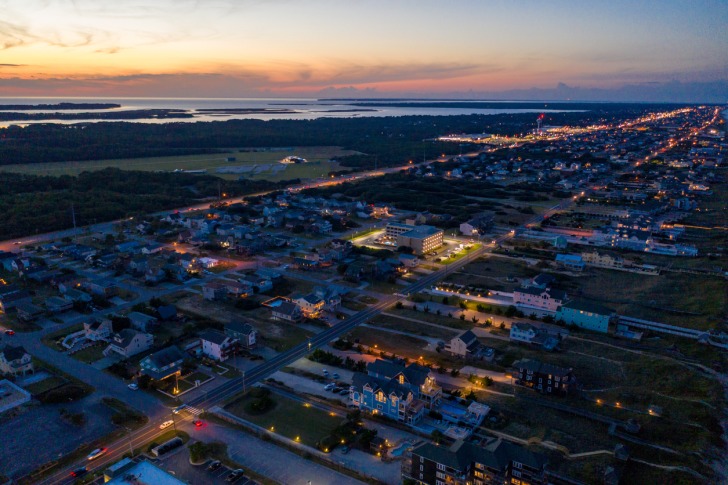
[(317, 157), (294, 420)]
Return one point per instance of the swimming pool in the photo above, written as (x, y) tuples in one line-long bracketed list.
[(398, 451)]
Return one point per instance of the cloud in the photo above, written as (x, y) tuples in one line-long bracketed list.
[(13, 65)]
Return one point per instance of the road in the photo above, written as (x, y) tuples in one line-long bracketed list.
[(234, 386)]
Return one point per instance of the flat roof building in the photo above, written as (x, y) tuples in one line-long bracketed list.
[(422, 239)]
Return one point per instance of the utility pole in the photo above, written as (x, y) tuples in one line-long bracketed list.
[(73, 218)]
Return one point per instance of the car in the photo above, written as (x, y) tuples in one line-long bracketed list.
[(335, 375), (325, 372), (329, 386), (214, 465), (345, 449), (234, 475), (179, 408), (336, 390), (79, 472), (96, 453), (344, 392), (17, 242), (9, 332), (166, 424), (133, 386), (198, 423)]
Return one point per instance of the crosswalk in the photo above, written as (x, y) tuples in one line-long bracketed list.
[(193, 410)]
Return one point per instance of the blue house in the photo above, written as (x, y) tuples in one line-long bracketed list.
[(393, 390), (572, 262)]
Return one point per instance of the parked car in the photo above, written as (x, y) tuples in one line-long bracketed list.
[(325, 372), (336, 390), (96, 453), (9, 332), (335, 375), (166, 424), (133, 386), (234, 475), (214, 465), (329, 387), (344, 392), (345, 449)]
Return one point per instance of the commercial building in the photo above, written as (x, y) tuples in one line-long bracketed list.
[(422, 239), (545, 378), (586, 315), (496, 462)]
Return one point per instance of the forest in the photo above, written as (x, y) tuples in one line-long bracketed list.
[(388, 141), (32, 204)]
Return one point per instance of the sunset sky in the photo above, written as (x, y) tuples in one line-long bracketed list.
[(237, 48)]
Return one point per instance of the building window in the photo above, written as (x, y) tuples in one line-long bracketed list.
[(422, 468), (440, 466), (440, 475), (517, 464)]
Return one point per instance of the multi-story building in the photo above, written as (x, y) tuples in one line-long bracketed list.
[(163, 363), (15, 361), (545, 300), (129, 342), (496, 463), (393, 390), (586, 315), (243, 332), (545, 378), (602, 260), (522, 332), (311, 305), (422, 239), (218, 346)]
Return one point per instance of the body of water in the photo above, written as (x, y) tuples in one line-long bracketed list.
[(264, 109)]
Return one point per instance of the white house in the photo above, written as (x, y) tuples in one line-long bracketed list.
[(218, 346), (129, 342)]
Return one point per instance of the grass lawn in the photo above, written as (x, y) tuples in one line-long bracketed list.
[(402, 345), (197, 375), (460, 255), (290, 418), (41, 386), (413, 328), (51, 339), (432, 317), (90, 354), (686, 300), (317, 157)]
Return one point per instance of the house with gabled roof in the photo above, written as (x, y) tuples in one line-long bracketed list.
[(163, 363), (545, 378), (243, 332), (14, 361), (466, 345), (129, 342)]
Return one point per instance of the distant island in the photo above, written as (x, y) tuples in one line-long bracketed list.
[(61, 106), (105, 115)]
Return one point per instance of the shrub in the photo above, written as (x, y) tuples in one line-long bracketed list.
[(259, 406), (65, 393)]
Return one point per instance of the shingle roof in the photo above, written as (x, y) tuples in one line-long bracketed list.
[(12, 352), (240, 327), (588, 307), (497, 454), (214, 336), (166, 356), (543, 368)]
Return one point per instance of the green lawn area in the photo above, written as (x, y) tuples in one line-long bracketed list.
[(413, 327), (687, 300), (197, 375), (51, 339), (460, 255), (41, 386), (90, 354), (317, 156), (402, 345), (290, 418)]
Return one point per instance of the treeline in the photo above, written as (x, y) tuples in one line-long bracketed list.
[(32, 204), (386, 141), (408, 192), (98, 115)]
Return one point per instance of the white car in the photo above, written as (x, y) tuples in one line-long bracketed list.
[(133, 386), (329, 386), (166, 424), (96, 453)]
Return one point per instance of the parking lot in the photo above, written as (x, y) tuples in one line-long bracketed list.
[(179, 465)]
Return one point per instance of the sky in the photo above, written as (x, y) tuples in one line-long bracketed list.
[(612, 49)]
